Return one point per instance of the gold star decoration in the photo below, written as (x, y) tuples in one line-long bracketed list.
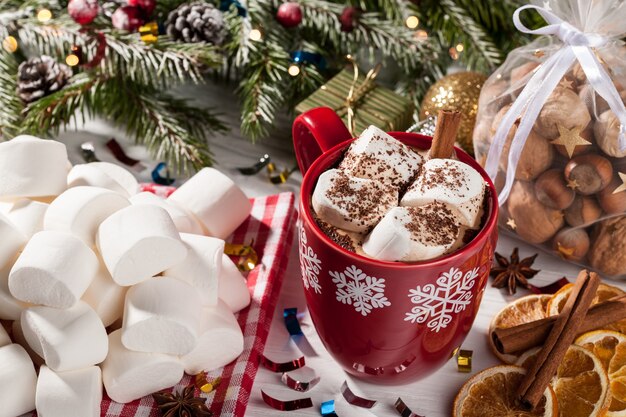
[(573, 184), (622, 187), (565, 83), (570, 138), (511, 224)]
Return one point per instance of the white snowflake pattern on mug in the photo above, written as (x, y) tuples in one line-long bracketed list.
[(310, 264), (436, 303), (356, 288)]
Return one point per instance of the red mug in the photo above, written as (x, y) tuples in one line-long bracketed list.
[(386, 322)]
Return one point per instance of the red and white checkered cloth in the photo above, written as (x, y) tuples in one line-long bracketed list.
[(270, 226)]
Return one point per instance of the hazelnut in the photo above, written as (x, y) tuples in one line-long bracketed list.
[(606, 130), (571, 244), (520, 73), (584, 210), (494, 96), (591, 173), (535, 222), (587, 94), (564, 108), (586, 134), (552, 191), (608, 250), (610, 202), (578, 74)]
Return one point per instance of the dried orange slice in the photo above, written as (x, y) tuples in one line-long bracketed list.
[(604, 293), (492, 393), (610, 348), (522, 310), (581, 384)]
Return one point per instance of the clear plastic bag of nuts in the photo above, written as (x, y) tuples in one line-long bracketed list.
[(551, 133)]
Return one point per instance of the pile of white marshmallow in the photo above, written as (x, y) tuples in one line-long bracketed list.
[(82, 250)]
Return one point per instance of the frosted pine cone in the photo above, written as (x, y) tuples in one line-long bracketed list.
[(39, 77), (196, 22)]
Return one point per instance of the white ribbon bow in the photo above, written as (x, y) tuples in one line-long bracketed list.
[(577, 46)]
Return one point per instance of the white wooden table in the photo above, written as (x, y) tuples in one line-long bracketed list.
[(430, 397)]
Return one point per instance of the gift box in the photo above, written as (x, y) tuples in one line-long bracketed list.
[(371, 103)]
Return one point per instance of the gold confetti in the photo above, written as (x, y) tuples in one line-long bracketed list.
[(149, 32), (565, 83), (565, 252), (573, 184), (248, 256), (464, 360), (622, 187), (570, 138), (203, 384)]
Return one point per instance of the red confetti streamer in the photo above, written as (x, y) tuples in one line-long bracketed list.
[(119, 153), (551, 288), (354, 399), (301, 386), (283, 367), (403, 409), (287, 405)]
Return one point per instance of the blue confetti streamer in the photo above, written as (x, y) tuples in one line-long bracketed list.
[(225, 5), (291, 321), (158, 178), (328, 409)]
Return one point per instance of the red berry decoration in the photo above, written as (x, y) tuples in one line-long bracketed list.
[(146, 6), (289, 14), (127, 18), (83, 11), (349, 17)]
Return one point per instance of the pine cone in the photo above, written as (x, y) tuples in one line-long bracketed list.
[(39, 77), (196, 22)]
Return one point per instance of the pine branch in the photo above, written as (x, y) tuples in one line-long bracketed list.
[(10, 105)]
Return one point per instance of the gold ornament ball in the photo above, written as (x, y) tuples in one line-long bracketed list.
[(460, 92)]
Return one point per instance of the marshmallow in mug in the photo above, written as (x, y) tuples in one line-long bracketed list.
[(139, 242), (18, 381), (80, 210), (215, 200), (185, 222), (54, 269), (27, 215), (130, 375), (32, 167), (232, 286), (412, 234), (220, 342), (162, 315), (352, 203), (105, 175), (202, 266), (66, 339), (451, 182), (378, 156), (70, 393)]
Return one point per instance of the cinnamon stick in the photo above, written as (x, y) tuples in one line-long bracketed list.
[(447, 126), (528, 335), (564, 329)]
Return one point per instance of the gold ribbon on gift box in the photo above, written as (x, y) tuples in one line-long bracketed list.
[(361, 102)]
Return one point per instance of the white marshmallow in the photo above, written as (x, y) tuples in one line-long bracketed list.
[(215, 200), (105, 296), (220, 342), (414, 233), (32, 167), (18, 337), (12, 241), (162, 315), (139, 242), (69, 394), (129, 375), (4, 337), (232, 286), (54, 269), (80, 210), (201, 268), (351, 203), (378, 156), (27, 215), (105, 175), (185, 222), (452, 182), (67, 339), (10, 307), (18, 381)]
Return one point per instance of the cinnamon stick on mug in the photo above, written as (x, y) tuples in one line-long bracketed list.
[(528, 335), (563, 332), (448, 122)]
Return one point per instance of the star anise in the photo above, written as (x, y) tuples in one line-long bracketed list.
[(175, 404), (511, 273)]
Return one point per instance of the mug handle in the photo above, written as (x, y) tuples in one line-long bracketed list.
[(314, 132)]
